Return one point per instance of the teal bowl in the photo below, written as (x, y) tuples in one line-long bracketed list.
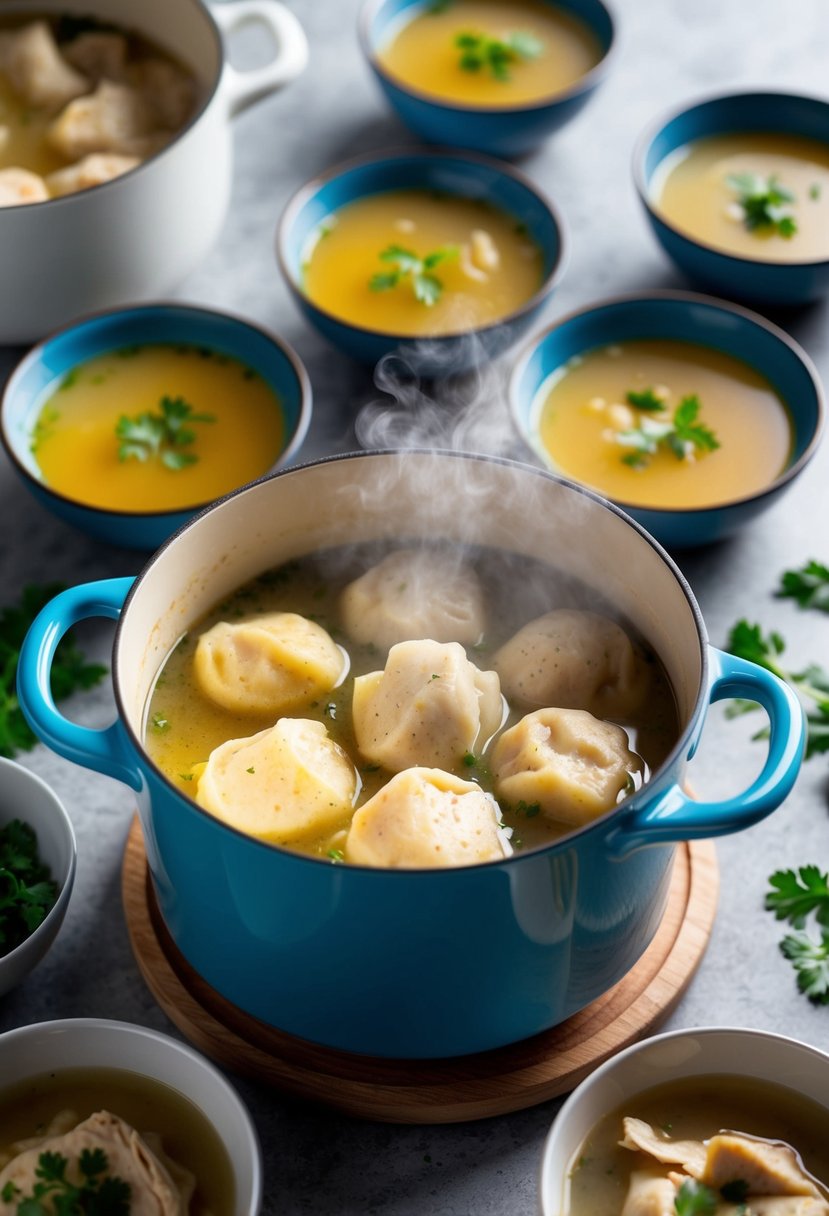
[(736, 277), (498, 130), (684, 317), (460, 174), (43, 369)]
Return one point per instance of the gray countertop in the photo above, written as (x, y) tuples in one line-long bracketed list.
[(318, 1162)]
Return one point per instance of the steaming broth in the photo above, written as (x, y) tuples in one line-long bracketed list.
[(184, 725), (78, 450), (492, 267), (691, 190), (424, 53), (585, 411), (27, 1109), (695, 1108)]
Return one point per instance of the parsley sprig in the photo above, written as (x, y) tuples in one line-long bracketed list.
[(812, 684), (408, 268), (809, 586), (70, 670), (765, 203), (794, 897), (165, 435), (682, 433), (98, 1194), (479, 52), (695, 1199), (27, 891)]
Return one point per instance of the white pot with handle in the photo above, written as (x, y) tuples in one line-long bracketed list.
[(137, 236)]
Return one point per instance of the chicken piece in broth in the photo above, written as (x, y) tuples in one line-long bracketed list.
[(36, 70)]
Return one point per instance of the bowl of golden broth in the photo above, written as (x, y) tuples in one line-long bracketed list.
[(129, 422), (168, 1132), (443, 257), (693, 414), (644, 1131), (736, 189), (496, 76)]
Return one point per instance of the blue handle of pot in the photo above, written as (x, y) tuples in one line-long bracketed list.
[(107, 751), (674, 816)]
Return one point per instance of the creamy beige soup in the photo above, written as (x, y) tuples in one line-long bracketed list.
[(763, 196)]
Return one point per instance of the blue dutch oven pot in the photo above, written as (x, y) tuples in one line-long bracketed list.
[(416, 963)]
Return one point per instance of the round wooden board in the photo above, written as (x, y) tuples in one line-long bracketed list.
[(430, 1091)]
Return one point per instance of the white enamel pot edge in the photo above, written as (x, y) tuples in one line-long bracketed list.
[(532, 939), (674, 1055), (136, 237)]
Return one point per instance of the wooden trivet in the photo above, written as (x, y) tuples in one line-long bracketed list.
[(430, 1091)]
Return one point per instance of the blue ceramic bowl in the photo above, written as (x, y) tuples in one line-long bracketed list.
[(44, 367), (734, 276), (498, 130), (411, 963), (679, 316), (459, 174)]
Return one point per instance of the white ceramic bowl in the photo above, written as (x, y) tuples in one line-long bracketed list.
[(45, 1047), (670, 1057), (137, 236), (25, 796)]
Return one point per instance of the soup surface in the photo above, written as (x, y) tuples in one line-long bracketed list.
[(757, 195), (27, 1110), (415, 262), (81, 102), (185, 724), (107, 439), (490, 52), (594, 433), (694, 1109)]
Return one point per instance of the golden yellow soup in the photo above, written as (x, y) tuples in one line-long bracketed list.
[(589, 426), (756, 195), (214, 425), (421, 264), (490, 53)]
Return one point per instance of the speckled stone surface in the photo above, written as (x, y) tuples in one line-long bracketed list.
[(669, 51)]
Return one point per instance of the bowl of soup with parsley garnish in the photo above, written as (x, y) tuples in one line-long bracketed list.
[(692, 414), (496, 76), (441, 256), (736, 189), (129, 422)]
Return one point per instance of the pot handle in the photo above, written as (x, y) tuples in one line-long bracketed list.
[(242, 89), (675, 816), (106, 751)]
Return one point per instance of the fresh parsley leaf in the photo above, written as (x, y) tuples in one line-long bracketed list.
[(810, 959), (53, 1194), (695, 1199), (809, 586), (795, 894), (413, 270), (161, 435), (479, 52), (336, 855), (764, 202), (684, 434), (815, 191), (646, 400), (27, 891)]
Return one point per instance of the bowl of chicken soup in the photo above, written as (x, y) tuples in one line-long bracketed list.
[(115, 147), (351, 695)]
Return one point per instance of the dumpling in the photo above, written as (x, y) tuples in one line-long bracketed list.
[(98, 54), (414, 593), (93, 170), (565, 760), (648, 1195), (35, 68), (429, 706), (168, 90), (280, 784), (267, 665), (18, 186), (427, 818), (115, 118), (573, 660)]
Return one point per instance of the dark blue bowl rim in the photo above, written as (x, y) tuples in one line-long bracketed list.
[(655, 128), (596, 826), (584, 84), (292, 358), (204, 12), (642, 297), (423, 153)]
